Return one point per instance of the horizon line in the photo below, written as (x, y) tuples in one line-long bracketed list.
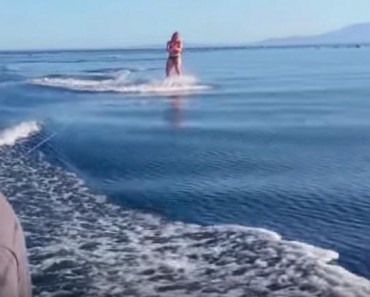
[(191, 47)]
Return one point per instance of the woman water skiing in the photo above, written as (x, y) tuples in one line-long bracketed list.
[(174, 49)]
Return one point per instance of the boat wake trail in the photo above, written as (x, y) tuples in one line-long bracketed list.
[(124, 83), (80, 244), (22, 131)]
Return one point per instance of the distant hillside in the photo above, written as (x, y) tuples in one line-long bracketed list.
[(355, 34)]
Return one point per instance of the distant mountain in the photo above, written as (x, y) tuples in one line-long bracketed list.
[(355, 34)]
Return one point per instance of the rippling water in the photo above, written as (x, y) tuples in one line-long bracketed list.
[(129, 184)]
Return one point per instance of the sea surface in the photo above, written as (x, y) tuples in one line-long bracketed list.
[(247, 176)]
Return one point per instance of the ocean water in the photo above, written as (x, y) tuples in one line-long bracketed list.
[(248, 176)]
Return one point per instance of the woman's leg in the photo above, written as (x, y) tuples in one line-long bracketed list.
[(178, 66), (169, 67)]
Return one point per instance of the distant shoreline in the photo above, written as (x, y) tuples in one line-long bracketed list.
[(191, 48)]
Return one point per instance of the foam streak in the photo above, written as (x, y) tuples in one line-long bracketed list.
[(90, 247), (182, 84), (24, 130)]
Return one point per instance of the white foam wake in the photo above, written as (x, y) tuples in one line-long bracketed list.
[(179, 84), (24, 130), (91, 247)]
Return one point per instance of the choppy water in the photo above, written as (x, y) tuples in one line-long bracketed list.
[(246, 177)]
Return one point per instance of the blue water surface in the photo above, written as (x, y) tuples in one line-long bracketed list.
[(278, 139)]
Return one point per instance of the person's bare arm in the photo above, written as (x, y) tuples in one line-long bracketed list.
[(8, 274), (180, 46), (177, 49), (14, 274), (168, 46)]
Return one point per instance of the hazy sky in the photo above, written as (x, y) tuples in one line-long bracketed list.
[(118, 23)]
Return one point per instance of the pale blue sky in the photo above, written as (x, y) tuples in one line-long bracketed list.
[(118, 23)]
